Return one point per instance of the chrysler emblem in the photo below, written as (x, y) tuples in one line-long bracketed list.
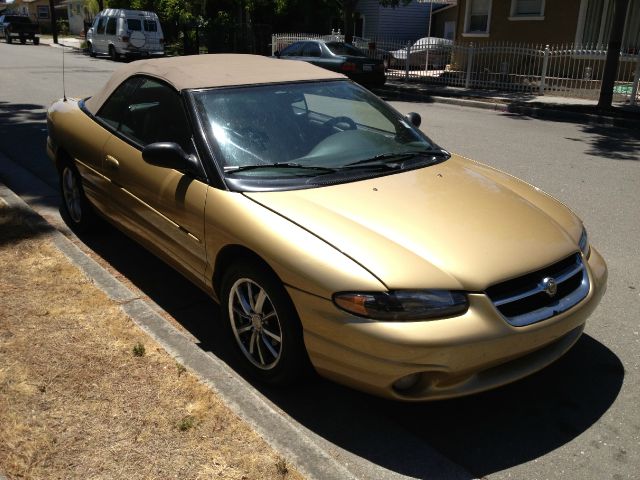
[(550, 286)]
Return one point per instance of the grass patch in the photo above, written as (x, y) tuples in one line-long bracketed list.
[(138, 350), (75, 402)]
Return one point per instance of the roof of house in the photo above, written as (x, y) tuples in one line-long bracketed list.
[(216, 70)]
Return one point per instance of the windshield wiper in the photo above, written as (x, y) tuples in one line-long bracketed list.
[(386, 158), (242, 168)]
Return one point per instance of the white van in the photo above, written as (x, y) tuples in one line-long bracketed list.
[(129, 33)]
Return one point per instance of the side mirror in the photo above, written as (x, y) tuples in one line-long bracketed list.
[(170, 155), (414, 118)]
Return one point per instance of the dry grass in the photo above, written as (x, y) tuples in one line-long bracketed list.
[(77, 402)]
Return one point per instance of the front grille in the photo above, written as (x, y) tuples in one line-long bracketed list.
[(524, 300)]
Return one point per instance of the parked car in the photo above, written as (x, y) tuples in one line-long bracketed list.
[(19, 27), (127, 33), (328, 226), (436, 51), (338, 57)]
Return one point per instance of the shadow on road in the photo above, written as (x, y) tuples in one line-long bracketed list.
[(484, 433)]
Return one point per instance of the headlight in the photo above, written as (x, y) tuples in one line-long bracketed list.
[(403, 304), (584, 243)]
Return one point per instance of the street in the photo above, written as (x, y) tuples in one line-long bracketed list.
[(577, 418)]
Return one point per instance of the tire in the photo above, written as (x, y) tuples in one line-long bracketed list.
[(113, 55), (7, 37), (36, 40), (75, 208), (23, 40), (263, 324), (92, 52)]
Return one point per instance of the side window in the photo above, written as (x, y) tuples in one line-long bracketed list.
[(111, 26), (151, 112), (95, 23), (115, 109), (101, 24), (292, 50), (311, 49)]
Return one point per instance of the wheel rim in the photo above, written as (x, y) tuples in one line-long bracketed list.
[(255, 324), (72, 195)]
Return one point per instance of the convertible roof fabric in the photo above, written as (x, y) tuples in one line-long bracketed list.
[(217, 70)]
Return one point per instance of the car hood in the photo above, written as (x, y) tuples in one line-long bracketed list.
[(455, 225)]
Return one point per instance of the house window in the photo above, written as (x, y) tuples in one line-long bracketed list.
[(527, 10), (43, 12), (477, 17), (596, 19)]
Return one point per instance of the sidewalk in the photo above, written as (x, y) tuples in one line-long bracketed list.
[(539, 106)]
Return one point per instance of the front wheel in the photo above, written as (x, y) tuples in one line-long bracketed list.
[(92, 51), (75, 207), (36, 40), (263, 323)]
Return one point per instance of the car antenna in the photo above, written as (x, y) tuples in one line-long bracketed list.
[(64, 90)]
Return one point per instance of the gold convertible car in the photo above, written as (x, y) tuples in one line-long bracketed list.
[(330, 229)]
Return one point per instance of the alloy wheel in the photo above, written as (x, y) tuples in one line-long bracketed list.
[(72, 194), (255, 323)]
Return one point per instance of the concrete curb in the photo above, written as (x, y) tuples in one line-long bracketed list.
[(309, 453), (398, 93)]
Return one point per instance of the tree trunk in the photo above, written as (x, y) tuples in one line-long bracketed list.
[(348, 8), (54, 21), (100, 5), (613, 54)]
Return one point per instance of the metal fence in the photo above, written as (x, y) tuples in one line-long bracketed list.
[(556, 70)]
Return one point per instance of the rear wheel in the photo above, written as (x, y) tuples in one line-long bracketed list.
[(36, 40), (113, 54), (76, 210), (263, 323)]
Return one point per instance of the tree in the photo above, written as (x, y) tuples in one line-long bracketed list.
[(613, 54)]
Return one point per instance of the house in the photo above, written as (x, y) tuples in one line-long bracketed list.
[(583, 22), (73, 12), (403, 23)]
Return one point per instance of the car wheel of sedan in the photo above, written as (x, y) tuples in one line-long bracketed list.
[(263, 323), (75, 208)]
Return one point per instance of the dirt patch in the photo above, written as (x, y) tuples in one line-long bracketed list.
[(84, 393)]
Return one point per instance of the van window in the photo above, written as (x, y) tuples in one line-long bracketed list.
[(134, 24), (150, 26), (101, 25), (111, 26)]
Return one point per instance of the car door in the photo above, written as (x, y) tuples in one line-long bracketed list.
[(162, 207), (99, 44)]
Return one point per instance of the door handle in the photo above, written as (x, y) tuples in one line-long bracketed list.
[(111, 163)]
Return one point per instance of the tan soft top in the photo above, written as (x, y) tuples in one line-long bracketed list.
[(218, 70)]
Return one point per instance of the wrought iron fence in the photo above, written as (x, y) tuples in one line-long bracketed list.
[(556, 70)]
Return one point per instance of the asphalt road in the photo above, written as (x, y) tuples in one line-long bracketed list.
[(578, 418)]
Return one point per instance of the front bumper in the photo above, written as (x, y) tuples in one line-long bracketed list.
[(456, 356)]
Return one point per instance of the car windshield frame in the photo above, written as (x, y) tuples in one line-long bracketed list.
[(331, 161)]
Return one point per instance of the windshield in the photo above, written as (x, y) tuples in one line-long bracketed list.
[(305, 129)]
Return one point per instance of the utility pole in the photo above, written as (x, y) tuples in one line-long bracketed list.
[(613, 54), (54, 21)]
